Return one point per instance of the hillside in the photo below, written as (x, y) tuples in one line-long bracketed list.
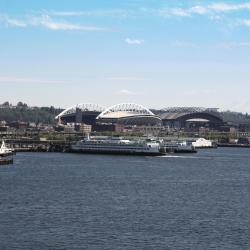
[(235, 118), (23, 113)]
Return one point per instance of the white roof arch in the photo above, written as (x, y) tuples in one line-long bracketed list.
[(83, 107), (123, 110)]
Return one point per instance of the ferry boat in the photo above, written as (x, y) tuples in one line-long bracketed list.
[(179, 147), (5, 151), (116, 145)]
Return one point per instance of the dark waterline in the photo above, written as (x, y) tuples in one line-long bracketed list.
[(68, 201)]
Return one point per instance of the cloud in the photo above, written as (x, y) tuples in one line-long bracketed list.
[(212, 10), (47, 22), (185, 12), (125, 78), (49, 18), (199, 10), (11, 79), (232, 45), (245, 22), (134, 41), (224, 7), (225, 45), (12, 22), (176, 12), (125, 92), (93, 13)]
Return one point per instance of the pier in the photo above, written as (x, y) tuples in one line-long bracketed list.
[(27, 145)]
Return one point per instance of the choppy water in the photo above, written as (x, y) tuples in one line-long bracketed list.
[(67, 201)]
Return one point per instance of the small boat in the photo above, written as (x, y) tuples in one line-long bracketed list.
[(5, 151)]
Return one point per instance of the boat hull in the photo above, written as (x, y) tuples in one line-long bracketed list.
[(115, 152), (7, 154), (185, 151), (6, 161)]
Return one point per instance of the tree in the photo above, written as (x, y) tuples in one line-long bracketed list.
[(22, 105), (6, 104)]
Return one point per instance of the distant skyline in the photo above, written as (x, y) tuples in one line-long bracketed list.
[(156, 53)]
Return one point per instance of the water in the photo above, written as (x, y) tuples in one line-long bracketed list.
[(71, 201)]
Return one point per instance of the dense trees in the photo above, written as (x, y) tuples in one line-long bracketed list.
[(235, 118), (21, 112)]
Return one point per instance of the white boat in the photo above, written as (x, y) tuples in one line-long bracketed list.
[(5, 151), (116, 145), (179, 147), (203, 143)]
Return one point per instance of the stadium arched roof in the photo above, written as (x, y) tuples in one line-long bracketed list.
[(129, 113), (186, 113), (125, 110), (84, 107), (188, 110)]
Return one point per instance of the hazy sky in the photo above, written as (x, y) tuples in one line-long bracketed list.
[(158, 53)]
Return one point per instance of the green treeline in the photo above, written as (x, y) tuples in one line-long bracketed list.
[(21, 112), (235, 118)]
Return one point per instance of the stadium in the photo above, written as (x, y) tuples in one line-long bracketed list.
[(109, 119), (131, 114), (191, 117)]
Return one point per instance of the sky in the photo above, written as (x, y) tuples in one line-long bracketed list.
[(158, 53)]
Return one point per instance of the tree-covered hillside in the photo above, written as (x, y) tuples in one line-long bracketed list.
[(21, 112), (235, 118)]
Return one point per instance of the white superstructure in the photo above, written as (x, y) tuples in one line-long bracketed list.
[(5, 151), (202, 143), (179, 147)]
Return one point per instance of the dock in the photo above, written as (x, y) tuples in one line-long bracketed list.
[(26, 145)]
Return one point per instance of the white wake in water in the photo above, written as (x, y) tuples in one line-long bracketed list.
[(183, 157)]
